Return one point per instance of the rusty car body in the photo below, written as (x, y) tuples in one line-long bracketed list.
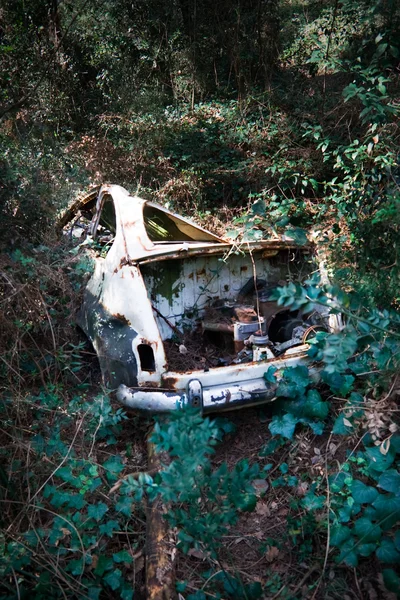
[(178, 315)]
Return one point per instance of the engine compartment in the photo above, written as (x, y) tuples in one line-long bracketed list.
[(217, 311)]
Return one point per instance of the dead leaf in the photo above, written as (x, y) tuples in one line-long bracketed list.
[(332, 449), (238, 540), (302, 488), (384, 447), (95, 560), (347, 423), (262, 509), (198, 554), (260, 486), (272, 553)]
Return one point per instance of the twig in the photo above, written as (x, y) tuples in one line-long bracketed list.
[(168, 322), (389, 393), (16, 584), (63, 460), (303, 580)]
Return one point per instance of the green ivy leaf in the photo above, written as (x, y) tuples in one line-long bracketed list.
[(272, 446), (387, 552), (337, 480), (338, 383), (397, 539), (317, 427), (269, 375), (298, 235), (378, 461), (344, 514), (124, 506), (122, 556), (363, 494), (367, 531), (113, 579), (340, 428), (312, 502), (395, 443), (75, 567), (246, 502), (315, 407), (66, 474), (253, 591), (366, 549), (339, 534), (390, 481), (391, 580), (348, 553), (283, 425), (97, 511), (114, 465), (258, 207), (108, 528), (294, 382), (126, 592), (104, 564), (387, 506)]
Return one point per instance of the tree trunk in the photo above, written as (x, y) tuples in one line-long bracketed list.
[(268, 38)]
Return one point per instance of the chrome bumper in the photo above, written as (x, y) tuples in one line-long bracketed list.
[(208, 399)]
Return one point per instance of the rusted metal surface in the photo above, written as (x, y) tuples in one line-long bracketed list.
[(145, 290)]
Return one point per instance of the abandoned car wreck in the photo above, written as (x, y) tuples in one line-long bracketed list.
[(180, 316)]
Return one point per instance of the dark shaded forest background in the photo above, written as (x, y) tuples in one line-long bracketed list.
[(206, 105), (253, 117)]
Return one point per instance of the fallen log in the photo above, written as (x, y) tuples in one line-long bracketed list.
[(160, 573)]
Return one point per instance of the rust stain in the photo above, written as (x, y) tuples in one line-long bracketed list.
[(228, 396), (190, 276), (274, 246), (124, 261), (144, 340), (243, 268), (122, 318), (201, 272), (170, 382)]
